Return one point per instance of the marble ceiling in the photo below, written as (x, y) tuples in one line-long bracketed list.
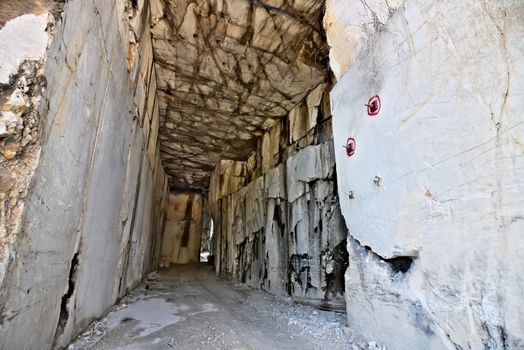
[(226, 70)]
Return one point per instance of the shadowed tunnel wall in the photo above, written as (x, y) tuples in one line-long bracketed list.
[(277, 220), (92, 196)]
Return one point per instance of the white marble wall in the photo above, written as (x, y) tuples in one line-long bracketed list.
[(93, 216), (438, 175)]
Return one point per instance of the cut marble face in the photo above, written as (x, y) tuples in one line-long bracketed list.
[(226, 68)]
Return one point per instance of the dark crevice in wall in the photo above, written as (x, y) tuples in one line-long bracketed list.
[(264, 278), (64, 305), (398, 264), (495, 335), (241, 257), (335, 282), (277, 219), (256, 236)]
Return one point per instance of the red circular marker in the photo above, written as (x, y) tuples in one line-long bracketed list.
[(373, 105), (350, 146)]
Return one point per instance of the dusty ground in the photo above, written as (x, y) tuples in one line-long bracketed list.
[(188, 307)]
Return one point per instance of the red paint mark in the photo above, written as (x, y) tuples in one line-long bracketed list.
[(373, 105), (350, 146)]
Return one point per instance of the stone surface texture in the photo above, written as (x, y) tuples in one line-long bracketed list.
[(182, 229), (437, 178), (92, 218), (21, 88), (226, 70), (277, 222)]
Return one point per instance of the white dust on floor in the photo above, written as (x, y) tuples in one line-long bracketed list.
[(151, 315), (147, 315)]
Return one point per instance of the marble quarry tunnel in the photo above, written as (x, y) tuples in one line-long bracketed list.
[(261, 174)]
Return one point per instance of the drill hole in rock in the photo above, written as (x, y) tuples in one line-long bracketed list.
[(373, 105), (350, 146)]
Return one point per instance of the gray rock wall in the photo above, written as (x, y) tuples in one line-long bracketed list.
[(92, 222), (276, 217)]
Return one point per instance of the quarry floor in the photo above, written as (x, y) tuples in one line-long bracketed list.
[(188, 307)]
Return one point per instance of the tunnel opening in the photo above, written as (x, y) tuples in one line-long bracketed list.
[(226, 169), (251, 99), (206, 250)]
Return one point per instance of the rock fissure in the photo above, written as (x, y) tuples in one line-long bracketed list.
[(65, 304)]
